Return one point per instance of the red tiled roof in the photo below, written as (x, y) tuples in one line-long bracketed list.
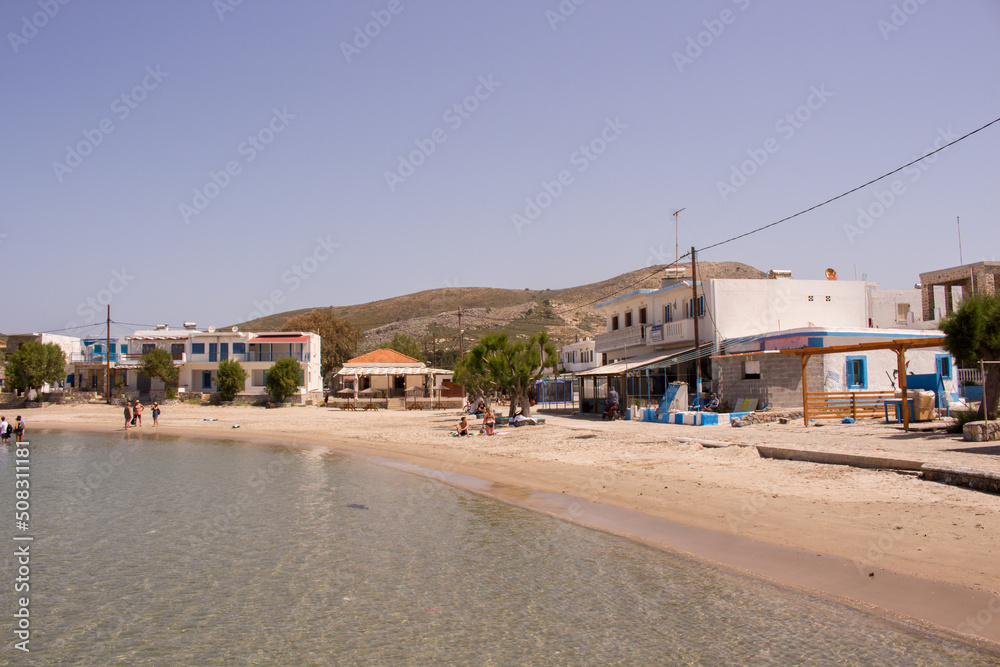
[(383, 356)]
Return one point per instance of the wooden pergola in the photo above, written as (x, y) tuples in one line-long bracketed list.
[(899, 346)]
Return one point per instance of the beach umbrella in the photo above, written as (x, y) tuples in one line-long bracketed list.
[(415, 389), (370, 391)]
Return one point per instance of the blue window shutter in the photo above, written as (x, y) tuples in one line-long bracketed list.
[(850, 372)]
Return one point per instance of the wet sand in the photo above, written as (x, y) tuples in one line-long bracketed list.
[(931, 548)]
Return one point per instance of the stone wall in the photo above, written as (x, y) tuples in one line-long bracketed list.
[(780, 383)]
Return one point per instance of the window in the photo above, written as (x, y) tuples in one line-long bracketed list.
[(213, 351), (751, 370), (206, 379), (701, 306), (614, 323), (857, 372), (642, 316), (197, 348), (628, 318), (668, 315), (902, 312), (223, 351), (810, 297), (148, 347), (124, 348), (943, 363), (239, 348)]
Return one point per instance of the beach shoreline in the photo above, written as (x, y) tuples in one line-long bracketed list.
[(816, 527)]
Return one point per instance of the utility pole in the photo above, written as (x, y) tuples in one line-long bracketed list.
[(694, 313), (107, 358), (461, 335), (677, 252)]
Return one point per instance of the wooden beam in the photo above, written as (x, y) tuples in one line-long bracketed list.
[(805, 391), (896, 344), (901, 370)]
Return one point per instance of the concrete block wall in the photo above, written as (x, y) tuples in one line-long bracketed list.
[(780, 374)]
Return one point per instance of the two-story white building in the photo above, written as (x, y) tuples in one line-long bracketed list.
[(650, 333), (197, 355)]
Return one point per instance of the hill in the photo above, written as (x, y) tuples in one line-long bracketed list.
[(565, 313)]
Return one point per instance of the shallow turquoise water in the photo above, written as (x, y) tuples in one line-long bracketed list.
[(178, 552)]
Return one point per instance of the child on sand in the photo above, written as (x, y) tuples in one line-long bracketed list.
[(463, 426)]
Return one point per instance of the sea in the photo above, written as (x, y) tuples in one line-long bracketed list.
[(157, 550)]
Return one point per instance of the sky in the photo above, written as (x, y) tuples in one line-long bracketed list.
[(216, 160)]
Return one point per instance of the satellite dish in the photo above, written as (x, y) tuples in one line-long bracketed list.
[(235, 329), (831, 274), (211, 329)]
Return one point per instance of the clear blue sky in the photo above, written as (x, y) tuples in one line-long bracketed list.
[(115, 113)]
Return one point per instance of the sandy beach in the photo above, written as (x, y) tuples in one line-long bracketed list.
[(879, 521)]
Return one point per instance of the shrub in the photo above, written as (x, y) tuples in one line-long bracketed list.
[(284, 378), (231, 379)]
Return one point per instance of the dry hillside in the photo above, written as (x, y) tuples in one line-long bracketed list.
[(565, 313)]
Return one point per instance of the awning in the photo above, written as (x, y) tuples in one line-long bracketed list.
[(635, 363), (391, 370), (690, 354), (279, 339)]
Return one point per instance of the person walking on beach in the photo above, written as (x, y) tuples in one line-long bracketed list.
[(156, 413), (128, 416), (4, 430), (18, 429), (137, 413)]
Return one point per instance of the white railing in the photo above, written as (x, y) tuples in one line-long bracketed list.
[(970, 375), (617, 340)]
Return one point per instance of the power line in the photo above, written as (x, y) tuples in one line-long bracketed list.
[(852, 190)]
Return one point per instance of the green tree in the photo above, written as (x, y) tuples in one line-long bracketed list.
[(284, 378), (339, 339), (159, 364), (972, 335), (34, 364), (405, 344), (514, 366), (231, 379), (475, 372)]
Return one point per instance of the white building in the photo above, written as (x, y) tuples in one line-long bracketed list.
[(649, 339), (70, 345), (197, 355), (756, 368), (579, 356)]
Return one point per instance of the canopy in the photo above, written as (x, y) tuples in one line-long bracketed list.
[(635, 363)]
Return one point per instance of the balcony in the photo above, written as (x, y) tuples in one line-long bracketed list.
[(674, 333), (661, 335), (617, 340)]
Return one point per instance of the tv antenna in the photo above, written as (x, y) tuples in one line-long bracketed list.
[(677, 252)]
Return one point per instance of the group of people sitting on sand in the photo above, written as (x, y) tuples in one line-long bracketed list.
[(488, 427)]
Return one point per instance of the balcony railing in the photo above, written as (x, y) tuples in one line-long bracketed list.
[(667, 334), (616, 340)]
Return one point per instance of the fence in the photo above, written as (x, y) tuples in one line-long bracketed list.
[(839, 404), (970, 376)]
